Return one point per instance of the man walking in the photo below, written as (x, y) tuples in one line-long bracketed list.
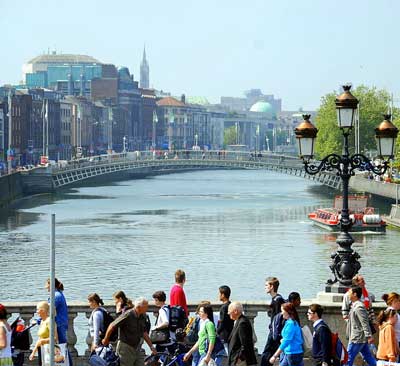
[(177, 295), (322, 337), (132, 328), (367, 298), (241, 345), (271, 288), (225, 323), (358, 329)]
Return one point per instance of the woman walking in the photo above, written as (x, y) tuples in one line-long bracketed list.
[(388, 348), (42, 309), (122, 303), (5, 338), (207, 335), (392, 300), (61, 310), (292, 339), (96, 320)]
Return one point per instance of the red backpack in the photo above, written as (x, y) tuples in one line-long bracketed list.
[(339, 353)]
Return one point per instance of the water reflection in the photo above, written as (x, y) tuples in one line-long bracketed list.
[(246, 224)]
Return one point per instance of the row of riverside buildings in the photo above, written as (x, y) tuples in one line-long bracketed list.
[(69, 106)]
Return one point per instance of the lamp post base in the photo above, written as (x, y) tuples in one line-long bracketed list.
[(336, 288)]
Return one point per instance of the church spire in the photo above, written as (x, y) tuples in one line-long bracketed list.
[(144, 71)]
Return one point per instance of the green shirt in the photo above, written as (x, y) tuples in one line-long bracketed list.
[(206, 332)]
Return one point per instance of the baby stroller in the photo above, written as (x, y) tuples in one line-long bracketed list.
[(20, 340)]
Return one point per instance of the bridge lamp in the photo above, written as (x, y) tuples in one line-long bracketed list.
[(386, 135), (306, 134), (346, 108)]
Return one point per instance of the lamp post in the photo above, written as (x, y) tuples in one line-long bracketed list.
[(153, 136), (9, 151), (185, 120), (345, 261)]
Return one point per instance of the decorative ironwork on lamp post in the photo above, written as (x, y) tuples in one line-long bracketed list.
[(345, 262)]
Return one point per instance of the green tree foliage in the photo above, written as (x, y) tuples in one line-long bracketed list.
[(373, 104), (230, 136), (396, 121)]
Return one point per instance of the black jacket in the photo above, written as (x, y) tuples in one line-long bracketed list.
[(225, 324), (322, 344), (241, 345)]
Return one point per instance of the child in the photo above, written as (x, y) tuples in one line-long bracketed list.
[(388, 348)]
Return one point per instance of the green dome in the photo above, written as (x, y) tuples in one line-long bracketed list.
[(262, 107)]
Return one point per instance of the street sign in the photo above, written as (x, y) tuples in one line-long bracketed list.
[(10, 152)]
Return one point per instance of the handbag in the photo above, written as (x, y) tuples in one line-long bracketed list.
[(307, 337), (159, 336), (104, 356)]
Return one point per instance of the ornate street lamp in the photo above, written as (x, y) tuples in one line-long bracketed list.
[(345, 261)]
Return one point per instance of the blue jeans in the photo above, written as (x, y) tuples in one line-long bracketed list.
[(195, 358), (354, 348), (62, 333), (295, 359)]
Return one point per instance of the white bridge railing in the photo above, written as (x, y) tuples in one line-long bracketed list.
[(147, 161)]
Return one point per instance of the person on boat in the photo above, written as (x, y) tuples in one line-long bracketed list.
[(366, 298)]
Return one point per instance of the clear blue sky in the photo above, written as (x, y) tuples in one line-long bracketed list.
[(297, 50)]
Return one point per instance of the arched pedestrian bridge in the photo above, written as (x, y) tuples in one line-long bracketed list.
[(146, 163)]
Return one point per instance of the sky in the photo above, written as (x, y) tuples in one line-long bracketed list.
[(298, 50)]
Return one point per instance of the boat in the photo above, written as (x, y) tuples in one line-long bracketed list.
[(364, 218)]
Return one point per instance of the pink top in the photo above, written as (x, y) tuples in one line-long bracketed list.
[(177, 297)]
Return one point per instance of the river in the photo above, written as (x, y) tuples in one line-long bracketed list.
[(231, 227)]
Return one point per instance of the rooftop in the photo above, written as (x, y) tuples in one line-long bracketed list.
[(170, 102), (262, 107), (64, 59)]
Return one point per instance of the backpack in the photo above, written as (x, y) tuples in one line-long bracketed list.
[(339, 352), (107, 320), (192, 330), (177, 318), (20, 335)]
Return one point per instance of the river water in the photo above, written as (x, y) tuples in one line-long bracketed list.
[(222, 227)]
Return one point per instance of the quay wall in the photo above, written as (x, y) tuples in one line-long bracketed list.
[(79, 313), (11, 188), (383, 189)]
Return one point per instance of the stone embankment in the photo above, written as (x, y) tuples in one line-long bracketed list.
[(11, 189)]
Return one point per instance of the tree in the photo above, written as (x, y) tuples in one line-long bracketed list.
[(230, 136), (373, 103)]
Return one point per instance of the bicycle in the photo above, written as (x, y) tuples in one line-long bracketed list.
[(167, 358)]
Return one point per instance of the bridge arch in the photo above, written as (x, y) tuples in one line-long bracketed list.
[(145, 163)]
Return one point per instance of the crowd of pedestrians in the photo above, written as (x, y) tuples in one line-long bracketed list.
[(229, 336)]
